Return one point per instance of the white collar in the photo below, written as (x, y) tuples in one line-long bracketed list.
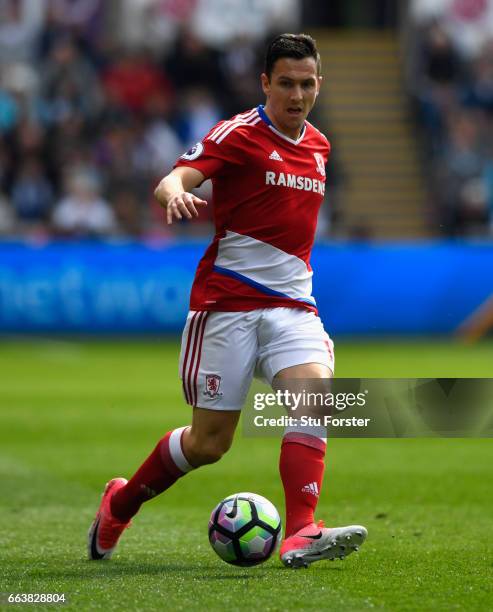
[(291, 140)]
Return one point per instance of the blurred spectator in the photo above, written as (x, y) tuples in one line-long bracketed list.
[(439, 69), (472, 212), (32, 194), (158, 148), (20, 21), (129, 212), (218, 23), (488, 183), (441, 62), (9, 111), (68, 144), (242, 62), (5, 165), (116, 156), (151, 24), (22, 82), (133, 80), (30, 139), (192, 62), (7, 219), (460, 187), (69, 85), (79, 16), (84, 21), (452, 82), (478, 92), (468, 22), (82, 213), (199, 112)]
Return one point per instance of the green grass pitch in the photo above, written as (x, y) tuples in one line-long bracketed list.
[(74, 414)]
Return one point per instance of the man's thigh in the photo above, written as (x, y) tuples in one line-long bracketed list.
[(217, 359), (292, 337)]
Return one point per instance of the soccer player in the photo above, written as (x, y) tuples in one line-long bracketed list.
[(251, 306)]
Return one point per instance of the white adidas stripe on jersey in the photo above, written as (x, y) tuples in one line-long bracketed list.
[(227, 128), (253, 115), (233, 127), (225, 124), (241, 117)]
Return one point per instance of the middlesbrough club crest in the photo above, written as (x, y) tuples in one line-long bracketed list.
[(212, 384), (320, 163)]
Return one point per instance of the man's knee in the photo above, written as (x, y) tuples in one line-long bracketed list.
[(210, 435), (204, 450)]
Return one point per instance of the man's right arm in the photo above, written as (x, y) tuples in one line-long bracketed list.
[(173, 193)]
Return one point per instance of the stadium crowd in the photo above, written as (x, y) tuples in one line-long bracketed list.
[(451, 80), (99, 97)]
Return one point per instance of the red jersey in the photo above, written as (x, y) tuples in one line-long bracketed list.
[(267, 192)]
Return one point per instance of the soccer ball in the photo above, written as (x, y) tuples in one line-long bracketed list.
[(244, 529)]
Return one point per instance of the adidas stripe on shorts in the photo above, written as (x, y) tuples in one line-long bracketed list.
[(221, 352)]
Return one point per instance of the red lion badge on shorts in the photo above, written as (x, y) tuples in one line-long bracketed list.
[(212, 384)]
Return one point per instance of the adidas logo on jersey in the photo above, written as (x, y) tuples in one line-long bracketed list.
[(275, 155), (311, 487)]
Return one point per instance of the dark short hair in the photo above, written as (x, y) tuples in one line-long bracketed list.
[(296, 46)]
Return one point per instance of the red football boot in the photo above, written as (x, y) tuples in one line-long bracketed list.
[(106, 530)]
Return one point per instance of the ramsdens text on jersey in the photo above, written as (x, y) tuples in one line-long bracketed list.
[(293, 181)]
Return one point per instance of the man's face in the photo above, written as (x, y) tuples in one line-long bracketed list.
[(291, 92)]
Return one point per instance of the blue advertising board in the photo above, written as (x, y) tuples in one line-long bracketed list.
[(135, 288)]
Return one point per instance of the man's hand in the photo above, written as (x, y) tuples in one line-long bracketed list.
[(173, 193), (183, 204)]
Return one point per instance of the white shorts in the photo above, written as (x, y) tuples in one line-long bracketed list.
[(222, 351)]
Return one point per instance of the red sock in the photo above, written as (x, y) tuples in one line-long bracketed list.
[(302, 470), (159, 471)]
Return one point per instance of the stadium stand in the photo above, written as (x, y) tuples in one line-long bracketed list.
[(98, 99), (365, 104), (450, 79), (109, 93)]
